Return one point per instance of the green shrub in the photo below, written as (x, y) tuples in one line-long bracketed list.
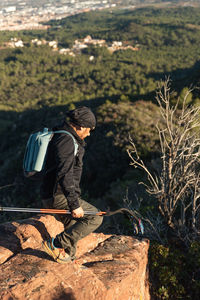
[(174, 271)]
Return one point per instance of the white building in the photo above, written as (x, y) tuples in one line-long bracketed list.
[(116, 44), (19, 44), (53, 44), (66, 51), (9, 9)]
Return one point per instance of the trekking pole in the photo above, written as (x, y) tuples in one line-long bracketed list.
[(132, 213), (48, 211)]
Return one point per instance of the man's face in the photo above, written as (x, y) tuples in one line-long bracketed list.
[(83, 132)]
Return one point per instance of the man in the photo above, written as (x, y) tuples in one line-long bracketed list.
[(60, 187)]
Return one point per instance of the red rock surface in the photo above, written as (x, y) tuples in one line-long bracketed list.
[(107, 267)]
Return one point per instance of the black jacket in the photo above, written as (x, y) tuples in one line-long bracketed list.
[(63, 169)]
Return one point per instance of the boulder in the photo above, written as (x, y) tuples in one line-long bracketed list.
[(106, 266)]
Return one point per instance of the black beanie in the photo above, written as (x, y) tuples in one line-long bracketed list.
[(82, 116)]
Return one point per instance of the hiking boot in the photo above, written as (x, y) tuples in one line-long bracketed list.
[(58, 254)]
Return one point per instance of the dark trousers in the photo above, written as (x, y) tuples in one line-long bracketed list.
[(75, 229)]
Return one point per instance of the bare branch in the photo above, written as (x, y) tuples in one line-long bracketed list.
[(177, 188)]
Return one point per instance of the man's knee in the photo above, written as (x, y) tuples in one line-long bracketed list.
[(98, 220)]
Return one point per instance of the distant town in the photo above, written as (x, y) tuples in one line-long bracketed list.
[(77, 48), (18, 15), (30, 14)]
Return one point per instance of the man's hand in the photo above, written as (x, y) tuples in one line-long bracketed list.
[(78, 212)]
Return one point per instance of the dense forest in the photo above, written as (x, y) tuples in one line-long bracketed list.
[(38, 85)]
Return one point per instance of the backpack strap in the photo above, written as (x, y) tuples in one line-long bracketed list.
[(74, 140)]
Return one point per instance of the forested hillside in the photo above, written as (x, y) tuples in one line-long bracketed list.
[(168, 46), (37, 86)]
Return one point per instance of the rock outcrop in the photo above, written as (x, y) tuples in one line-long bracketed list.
[(107, 266)]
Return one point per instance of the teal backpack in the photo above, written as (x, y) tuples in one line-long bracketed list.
[(36, 149)]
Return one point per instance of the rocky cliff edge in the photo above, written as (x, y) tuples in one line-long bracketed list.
[(107, 267)]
